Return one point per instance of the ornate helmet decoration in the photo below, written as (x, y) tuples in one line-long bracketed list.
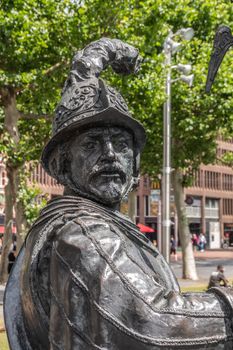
[(88, 101), (222, 42)]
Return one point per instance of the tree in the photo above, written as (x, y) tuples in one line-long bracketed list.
[(37, 42), (197, 118)]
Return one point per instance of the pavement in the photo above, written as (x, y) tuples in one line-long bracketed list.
[(2, 289), (206, 262), (1, 312), (213, 254)]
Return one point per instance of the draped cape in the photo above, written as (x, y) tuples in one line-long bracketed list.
[(86, 278)]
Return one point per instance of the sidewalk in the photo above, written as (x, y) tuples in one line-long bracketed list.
[(215, 256), (2, 289)]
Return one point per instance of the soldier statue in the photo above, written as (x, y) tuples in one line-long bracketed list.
[(86, 278)]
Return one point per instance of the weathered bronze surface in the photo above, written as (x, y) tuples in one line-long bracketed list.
[(86, 278)]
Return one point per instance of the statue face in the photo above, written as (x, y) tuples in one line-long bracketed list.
[(102, 163)]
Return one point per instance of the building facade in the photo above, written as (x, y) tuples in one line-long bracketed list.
[(212, 209), (46, 183), (39, 178), (209, 206)]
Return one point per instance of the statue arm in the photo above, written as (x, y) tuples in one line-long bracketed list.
[(95, 293)]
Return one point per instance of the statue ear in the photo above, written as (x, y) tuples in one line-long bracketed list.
[(53, 163), (54, 168), (59, 163)]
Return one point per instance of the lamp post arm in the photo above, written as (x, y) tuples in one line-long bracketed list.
[(174, 80)]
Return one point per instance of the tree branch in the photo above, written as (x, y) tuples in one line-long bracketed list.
[(3, 94), (46, 72), (55, 66), (28, 116)]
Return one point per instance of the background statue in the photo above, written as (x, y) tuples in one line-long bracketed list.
[(86, 278), (222, 42)]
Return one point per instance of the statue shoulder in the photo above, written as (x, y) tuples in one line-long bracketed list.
[(78, 227)]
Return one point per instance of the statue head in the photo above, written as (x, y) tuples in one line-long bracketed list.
[(96, 144), (101, 161)]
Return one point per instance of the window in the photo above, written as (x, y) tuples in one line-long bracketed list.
[(212, 180), (197, 178), (227, 182), (211, 203), (196, 201), (155, 185), (146, 181), (227, 206), (138, 206), (146, 205)]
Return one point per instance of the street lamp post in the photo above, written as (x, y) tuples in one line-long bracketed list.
[(170, 47), (166, 179)]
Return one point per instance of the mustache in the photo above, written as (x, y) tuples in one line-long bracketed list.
[(108, 168)]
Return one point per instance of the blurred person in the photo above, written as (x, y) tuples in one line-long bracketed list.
[(11, 261), (217, 278), (14, 242), (202, 242), (173, 246), (0, 245), (194, 241)]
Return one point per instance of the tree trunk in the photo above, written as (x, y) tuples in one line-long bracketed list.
[(189, 266), (12, 171), (132, 205), (21, 223), (7, 239)]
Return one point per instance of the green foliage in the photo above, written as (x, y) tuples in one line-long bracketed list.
[(196, 117), (33, 201), (38, 40), (227, 159)]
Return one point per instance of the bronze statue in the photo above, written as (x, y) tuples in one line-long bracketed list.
[(86, 278)]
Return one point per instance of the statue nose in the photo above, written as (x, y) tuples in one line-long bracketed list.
[(108, 150)]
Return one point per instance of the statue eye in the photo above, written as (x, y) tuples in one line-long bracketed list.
[(90, 145), (121, 145)]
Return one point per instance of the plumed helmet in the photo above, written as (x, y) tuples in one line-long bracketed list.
[(88, 101)]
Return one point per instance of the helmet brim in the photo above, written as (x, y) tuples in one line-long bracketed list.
[(109, 117)]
